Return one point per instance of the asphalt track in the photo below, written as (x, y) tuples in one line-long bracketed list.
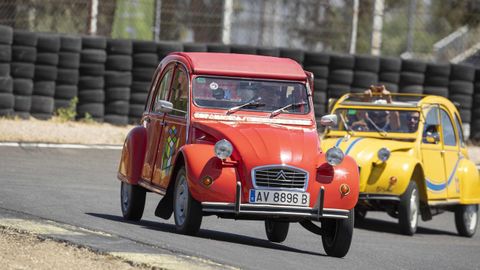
[(79, 187)]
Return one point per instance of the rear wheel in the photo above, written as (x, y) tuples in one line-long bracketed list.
[(338, 235), (132, 198), (187, 211), (408, 210), (466, 219), (276, 231)]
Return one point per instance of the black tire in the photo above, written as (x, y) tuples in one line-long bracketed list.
[(414, 66), (436, 90), (140, 86), (132, 201), (91, 82), (91, 96), (117, 93), (119, 120), (21, 70), (466, 115), (66, 91), (138, 98), (68, 76), (48, 43), (337, 90), (316, 58), (44, 88), (164, 48), (367, 63), (465, 101), (6, 34), (96, 110), (93, 56), (145, 60), (268, 51), (411, 89), (411, 78), (360, 215), (24, 38), (408, 209), (436, 81), (70, 43), (319, 72), (438, 70), (320, 85), (49, 59), (87, 69), (276, 231), (340, 76), (294, 54), (23, 103), (460, 87), (461, 72), (6, 85), (320, 109), (345, 61), (118, 79), (61, 103), (220, 48), (119, 62), (117, 107), (5, 69), (5, 53), (119, 47), (42, 105), (7, 101), (91, 42), (24, 54), (143, 74), (69, 60), (23, 87), (41, 116), (187, 211), (136, 110), (338, 235), (7, 112), (45, 73), (364, 79), (391, 77), (392, 87), (390, 64), (320, 98), (243, 49), (144, 47), (466, 219), (194, 47)]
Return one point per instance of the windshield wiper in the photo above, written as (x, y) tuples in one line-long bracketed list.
[(347, 127), (381, 131), (278, 111), (252, 103)]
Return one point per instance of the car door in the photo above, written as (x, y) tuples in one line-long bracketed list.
[(174, 130), (432, 156), (153, 121), (451, 154)]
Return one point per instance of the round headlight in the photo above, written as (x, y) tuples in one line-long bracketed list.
[(383, 154), (223, 149), (335, 156)]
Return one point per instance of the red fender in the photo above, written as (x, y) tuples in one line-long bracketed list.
[(133, 156)]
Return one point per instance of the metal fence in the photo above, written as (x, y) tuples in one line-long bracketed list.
[(406, 25)]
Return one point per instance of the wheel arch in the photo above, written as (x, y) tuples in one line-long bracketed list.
[(419, 177)]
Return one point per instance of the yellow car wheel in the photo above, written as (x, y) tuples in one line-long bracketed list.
[(466, 219), (408, 210)]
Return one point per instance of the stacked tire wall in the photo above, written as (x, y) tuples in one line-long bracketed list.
[(7, 99), (317, 63), (68, 71)]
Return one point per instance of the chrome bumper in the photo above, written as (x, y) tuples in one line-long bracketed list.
[(269, 211)]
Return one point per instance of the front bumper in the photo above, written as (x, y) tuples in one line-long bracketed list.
[(261, 211)]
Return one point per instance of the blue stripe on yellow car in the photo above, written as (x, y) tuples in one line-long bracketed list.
[(439, 187), (339, 142), (350, 147)]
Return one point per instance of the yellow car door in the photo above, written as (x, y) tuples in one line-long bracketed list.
[(451, 154)]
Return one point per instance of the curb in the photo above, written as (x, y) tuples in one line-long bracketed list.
[(61, 145)]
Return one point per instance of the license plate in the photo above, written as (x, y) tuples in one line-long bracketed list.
[(279, 197)]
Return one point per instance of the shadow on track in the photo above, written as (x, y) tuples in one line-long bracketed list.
[(377, 225), (209, 234)]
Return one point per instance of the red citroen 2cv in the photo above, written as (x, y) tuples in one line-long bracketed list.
[(235, 136)]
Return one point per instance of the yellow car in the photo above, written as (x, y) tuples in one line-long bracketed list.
[(411, 155)]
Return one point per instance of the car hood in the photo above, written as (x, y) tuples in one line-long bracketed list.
[(364, 149), (268, 144)]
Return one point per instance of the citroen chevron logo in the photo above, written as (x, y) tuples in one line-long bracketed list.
[(281, 176)]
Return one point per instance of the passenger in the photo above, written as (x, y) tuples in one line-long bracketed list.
[(413, 119)]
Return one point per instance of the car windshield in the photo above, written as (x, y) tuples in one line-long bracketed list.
[(252, 95), (379, 121)]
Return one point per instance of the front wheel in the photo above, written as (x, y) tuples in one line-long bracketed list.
[(132, 198), (187, 211), (338, 235), (276, 231), (466, 219), (408, 210)]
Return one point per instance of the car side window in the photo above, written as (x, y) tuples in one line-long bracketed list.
[(460, 131), (163, 87), (447, 129), (179, 95), (431, 124)]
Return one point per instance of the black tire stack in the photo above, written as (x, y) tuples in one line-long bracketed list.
[(294, 54), (91, 94), (268, 51), (68, 71), (243, 49), (436, 79), (118, 80), (145, 61), (7, 99), (475, 123), (412, 76), (389, 73), (365, 72), (218, 47), (317, 63), (24, 55), (340, 75), (194, 47), (165, 48), (48, 46), (460, 89)]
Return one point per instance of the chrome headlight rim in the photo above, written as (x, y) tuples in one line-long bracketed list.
[(223, 149), (383, 154), (334, 156)]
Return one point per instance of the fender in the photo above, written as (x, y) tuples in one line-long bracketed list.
[(133, 156), (469, 182), (201, 162)]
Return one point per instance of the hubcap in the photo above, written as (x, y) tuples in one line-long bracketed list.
[(125, 195), (181, 202), (413, 209), (470, 216)]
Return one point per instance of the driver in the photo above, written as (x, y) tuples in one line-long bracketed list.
[(412, 121)]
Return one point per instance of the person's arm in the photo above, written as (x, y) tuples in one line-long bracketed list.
[(394, 116)]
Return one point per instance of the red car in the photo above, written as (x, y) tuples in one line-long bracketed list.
[(235, 136)]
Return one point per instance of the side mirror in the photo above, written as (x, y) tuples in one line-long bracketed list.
[(432, 137), (163, 106), (329, 120)]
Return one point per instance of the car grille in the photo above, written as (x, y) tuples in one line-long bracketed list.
[(280, 177)]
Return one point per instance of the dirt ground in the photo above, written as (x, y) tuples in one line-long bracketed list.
[(25, 251)]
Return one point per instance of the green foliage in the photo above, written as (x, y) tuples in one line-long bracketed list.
[(68, 113), (134, 19), (87, 119)]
